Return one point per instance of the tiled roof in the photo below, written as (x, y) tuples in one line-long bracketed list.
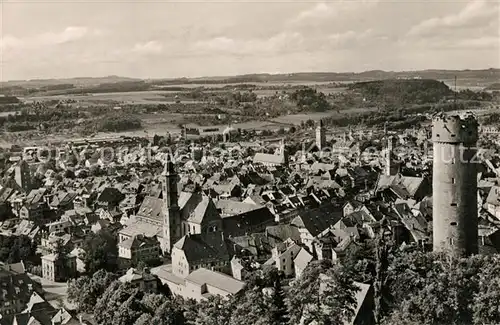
[(302, 259), (111, 195), (266, 158), (218, 280), (231, 207), (494, 196), (201, 247), (205, 209), (151, 208), (251, 221), (139, 241), (317, 220), (142, 228)]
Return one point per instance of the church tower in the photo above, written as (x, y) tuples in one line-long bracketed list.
[(171, 211), (22, 176), (320, 136), (391, 167), (282, 151)]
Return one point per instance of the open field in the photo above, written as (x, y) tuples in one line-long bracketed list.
[(162, 120), (156, 96), (133, 97), (297, 118), (257, 84)]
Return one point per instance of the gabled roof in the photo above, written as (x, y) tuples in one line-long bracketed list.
[(111, 195), (283, 232), (231, 207), (302, 259), (319, 219), (138, 242), (205, 210), (417, 225), (36, 196), (403, 186), (201, 247), (250, 221), (217, 280), (266, 158), (5, 193), (494, 196), (134, 275), (151, 208), (142, 228)]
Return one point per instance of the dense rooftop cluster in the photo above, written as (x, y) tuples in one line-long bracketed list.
[(200, 219)]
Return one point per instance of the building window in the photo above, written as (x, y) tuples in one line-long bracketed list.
[(453, 179), (451, 241), (453, 204)]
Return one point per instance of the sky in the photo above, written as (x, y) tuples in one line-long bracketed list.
[(166, 39)]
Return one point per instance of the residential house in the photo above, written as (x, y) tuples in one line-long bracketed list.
[(34, 206), (311, 223), (16, 289), (138, 248), (58, 270), (206, 250), (283, 256), (144, 280)]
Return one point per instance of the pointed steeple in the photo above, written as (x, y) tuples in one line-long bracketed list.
[(171, 222)]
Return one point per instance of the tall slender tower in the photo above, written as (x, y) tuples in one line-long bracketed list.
[(320, 136), (22, 176), (171, 211), (389, 164), (454, 182)]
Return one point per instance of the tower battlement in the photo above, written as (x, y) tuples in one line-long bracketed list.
[(454, 129)]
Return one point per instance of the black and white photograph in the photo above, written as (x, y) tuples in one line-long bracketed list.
[(249, 162)]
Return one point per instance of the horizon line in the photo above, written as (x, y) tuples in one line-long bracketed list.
[(250, 74)]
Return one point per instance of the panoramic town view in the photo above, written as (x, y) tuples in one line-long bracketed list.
[(248, 162)]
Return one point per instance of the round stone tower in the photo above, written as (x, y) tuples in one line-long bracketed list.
[(454, 182)]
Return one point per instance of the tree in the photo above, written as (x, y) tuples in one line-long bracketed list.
[(213, 311), (486, 300), (100, 252), (85, 291), (129, 311), (434, 288), (14, 249), (252, 308), (62, 253), (361, 262), (144, 319), (324, 293), (153, 301), (380, 284), (278, 308), (116, 294), (169, 313)]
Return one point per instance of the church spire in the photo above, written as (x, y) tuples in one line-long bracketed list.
[(171, 221)]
